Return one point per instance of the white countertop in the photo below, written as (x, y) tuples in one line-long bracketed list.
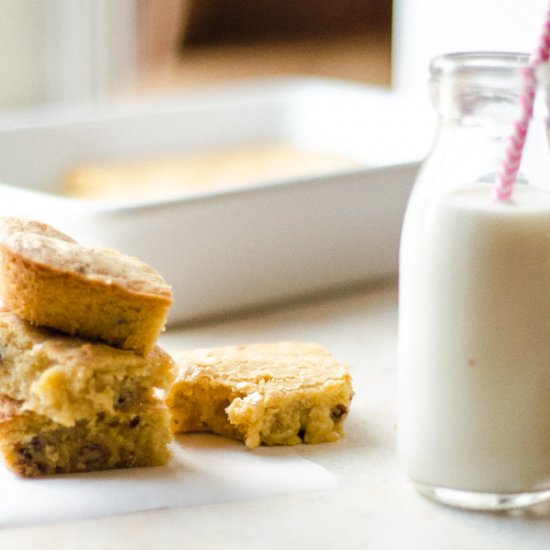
[(374, 507)]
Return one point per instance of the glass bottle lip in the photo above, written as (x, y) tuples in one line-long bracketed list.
[(492, 70), (479, 87)]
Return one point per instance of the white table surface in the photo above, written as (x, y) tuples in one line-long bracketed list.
[(374, 507)]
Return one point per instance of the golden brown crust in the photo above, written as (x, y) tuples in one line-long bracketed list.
[(42, 245), (286, 365)]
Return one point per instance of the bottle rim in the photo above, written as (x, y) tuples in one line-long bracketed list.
[(480, 69)]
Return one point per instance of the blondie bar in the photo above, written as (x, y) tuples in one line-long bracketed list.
[(281, 393), (49, 279), (68, 379), (34, 445)]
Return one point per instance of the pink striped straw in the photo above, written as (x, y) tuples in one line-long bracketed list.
[(512, 157)]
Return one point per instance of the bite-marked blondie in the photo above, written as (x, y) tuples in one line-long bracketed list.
[(281, 393)]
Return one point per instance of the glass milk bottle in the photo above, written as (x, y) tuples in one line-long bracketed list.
[(474, 299)]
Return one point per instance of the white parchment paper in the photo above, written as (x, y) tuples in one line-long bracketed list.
[(204, 469)]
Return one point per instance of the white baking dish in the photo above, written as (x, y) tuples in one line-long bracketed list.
[(243, 247)]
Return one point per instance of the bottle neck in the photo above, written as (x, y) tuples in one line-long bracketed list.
[(465, 153), (478, 88), (477, 97)]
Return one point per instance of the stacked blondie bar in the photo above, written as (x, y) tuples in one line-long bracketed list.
[(82, 381), (79, 366)]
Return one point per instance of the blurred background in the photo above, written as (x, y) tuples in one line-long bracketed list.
[(55, 50), (346, 144), (66, 50)]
